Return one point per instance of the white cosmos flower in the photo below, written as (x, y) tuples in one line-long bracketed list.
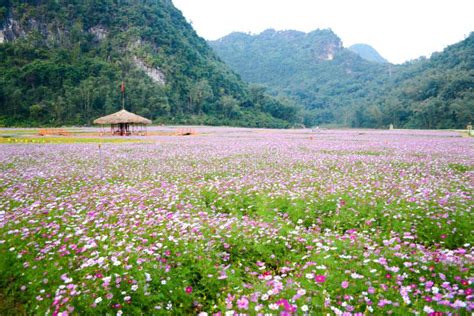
[(273, 306), (147, 277), (428, 310)]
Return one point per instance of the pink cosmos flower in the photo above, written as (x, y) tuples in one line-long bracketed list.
[(229, 300), (345, 284), (320, 278), (243, 303), (287, 306), (189, 289)]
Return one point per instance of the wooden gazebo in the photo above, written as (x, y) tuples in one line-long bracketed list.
[(124, 123)]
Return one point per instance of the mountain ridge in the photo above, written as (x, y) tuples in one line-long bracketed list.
[(61, 63), (347, 90), (368, 53), (313, 69)]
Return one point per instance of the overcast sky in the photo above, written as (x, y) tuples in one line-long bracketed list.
[(399, 30)]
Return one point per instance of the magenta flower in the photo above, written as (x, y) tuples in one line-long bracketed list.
[(189, 289), (320, 278), (345, 284), (243, 303), (287, 306)]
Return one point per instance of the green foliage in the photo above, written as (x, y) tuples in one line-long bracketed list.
[(312, 69), (343, 212), (460, 167), (66, 60), (336, 86), (438, 92)]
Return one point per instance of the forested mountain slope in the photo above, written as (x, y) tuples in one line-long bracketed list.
[(62, 62), (433, 93), (337, 86)]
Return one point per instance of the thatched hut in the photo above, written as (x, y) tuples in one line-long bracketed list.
[(124, 123)]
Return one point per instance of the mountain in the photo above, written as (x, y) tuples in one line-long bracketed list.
[(62, 62), (433, 93), (312, 69), (336, 86), (368, 53)]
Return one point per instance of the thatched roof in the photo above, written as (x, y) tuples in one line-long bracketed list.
[(122, 116)]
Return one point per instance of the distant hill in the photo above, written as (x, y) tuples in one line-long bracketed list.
[(337, 86), (62, 62), (433, 93), (368, 53), (312, 69)]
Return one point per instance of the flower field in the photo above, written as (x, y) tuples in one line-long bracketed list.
[(240, 221)]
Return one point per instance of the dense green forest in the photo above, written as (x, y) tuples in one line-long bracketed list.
[(338, 87), (62, 62)]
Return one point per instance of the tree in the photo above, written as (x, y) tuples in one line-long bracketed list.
[(38, 112), (229, 106), (198, 94)]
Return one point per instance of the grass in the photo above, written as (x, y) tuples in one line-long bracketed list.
[(462, 168), (66, 140)]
